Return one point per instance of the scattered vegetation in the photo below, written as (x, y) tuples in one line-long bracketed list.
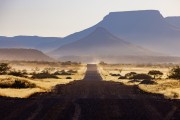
[(141, 77), (122, 77), (17, 73), (17, 84), (62, 72), (43, 75), (175, 73), (4, 68), (152, 78)]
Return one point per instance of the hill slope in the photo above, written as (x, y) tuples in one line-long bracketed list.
[(174, 21), (23, 54), (101, 43)]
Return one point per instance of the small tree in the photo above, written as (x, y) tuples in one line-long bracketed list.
[(4, 68), (175, 73), (155, 74)]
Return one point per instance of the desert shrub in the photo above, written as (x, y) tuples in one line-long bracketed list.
[(16, 73), (4, 85), (57, 73), (44, 75), (175, 73), (130, 75), (114, 74), (68, 78), (133, 81), (4, 68), (22, 84), (148, 82), (17, 84), (141, 77), (155, 74), (62, 72), (122, 77)]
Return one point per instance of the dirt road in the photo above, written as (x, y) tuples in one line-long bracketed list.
[(91, 99)]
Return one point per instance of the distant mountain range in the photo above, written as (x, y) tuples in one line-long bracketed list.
[(134, 33), (101, 43), (23, 55), (34, 42)]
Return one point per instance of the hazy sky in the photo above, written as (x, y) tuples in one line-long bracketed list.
[(63, 17)]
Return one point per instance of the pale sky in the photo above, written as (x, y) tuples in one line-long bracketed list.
[(60, 18)]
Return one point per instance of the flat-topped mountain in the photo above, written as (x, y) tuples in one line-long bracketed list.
[(147, 28), (101, 43), (23, 55)]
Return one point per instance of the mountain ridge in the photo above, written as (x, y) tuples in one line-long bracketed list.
[(100, 42), (22, 41)]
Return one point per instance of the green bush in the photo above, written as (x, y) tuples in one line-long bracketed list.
[(175, 73)]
